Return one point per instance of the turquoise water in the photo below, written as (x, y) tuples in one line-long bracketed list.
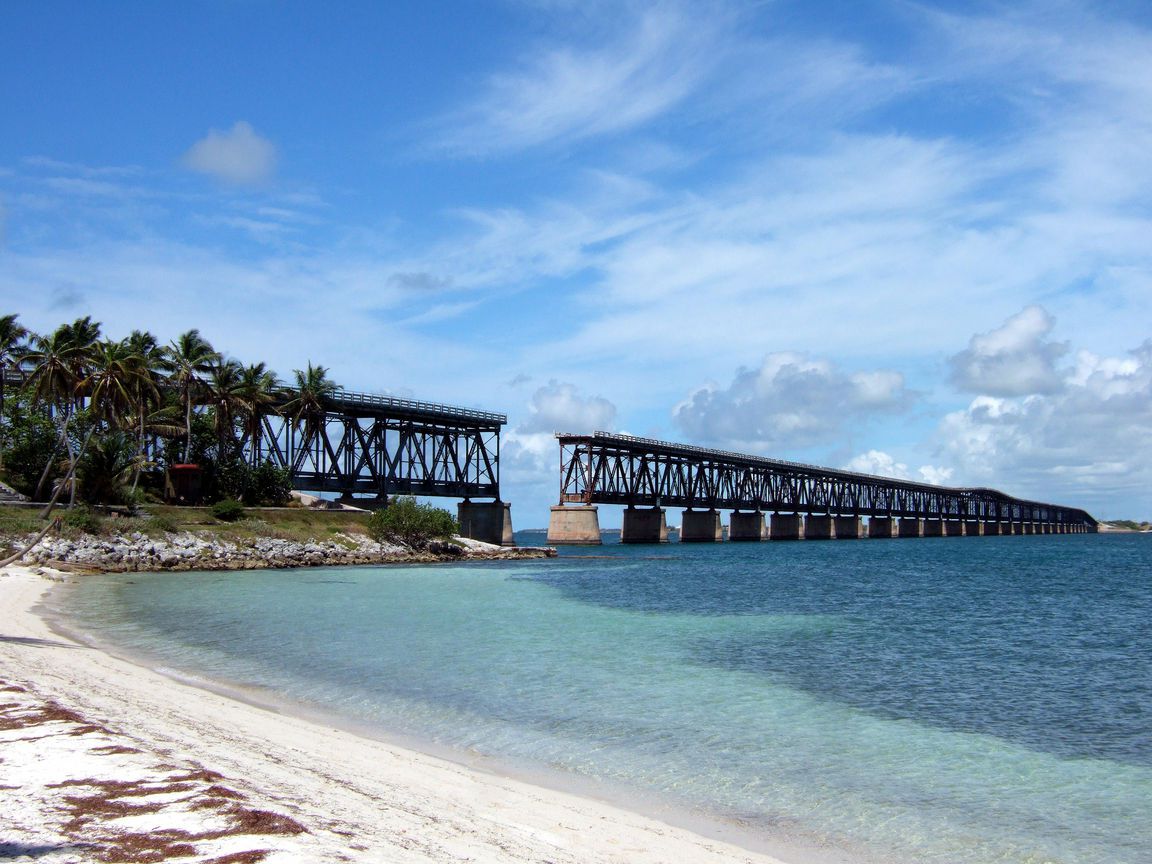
[(940, 700)]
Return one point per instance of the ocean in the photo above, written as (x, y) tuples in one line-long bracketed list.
[(955, 700)]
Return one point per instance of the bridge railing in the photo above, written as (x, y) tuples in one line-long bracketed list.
[(348, 398)]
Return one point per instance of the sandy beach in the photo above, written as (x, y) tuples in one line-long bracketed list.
[(104, 760)]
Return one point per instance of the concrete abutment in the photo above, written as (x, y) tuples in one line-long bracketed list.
[(847, 528), (701, 526), (817, 527), (785, 526), (881, 527), (747, 526), (910, 527), (574, 526), (486, 521), (644, 525)]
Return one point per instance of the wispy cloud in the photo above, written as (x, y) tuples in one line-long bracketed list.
[(569, 93)]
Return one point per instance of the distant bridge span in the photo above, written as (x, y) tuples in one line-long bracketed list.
[(805, 501)]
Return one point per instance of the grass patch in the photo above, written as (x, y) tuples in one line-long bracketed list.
[(155, 520)]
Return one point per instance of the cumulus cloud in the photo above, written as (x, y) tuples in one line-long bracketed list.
[(790, 401), (882, 464), (1015, 359), (560, 407), (239, 155), (1088, 441)]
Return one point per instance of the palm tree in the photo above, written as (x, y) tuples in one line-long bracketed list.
[(116, 381), (309, 401), (188, 359), (225, 386), (60, 362), (148, 413), (259, 391), (12, 336)]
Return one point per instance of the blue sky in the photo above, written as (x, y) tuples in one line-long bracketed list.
[(906, 238)]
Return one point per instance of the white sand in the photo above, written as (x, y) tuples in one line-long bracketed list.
[(356, 799)]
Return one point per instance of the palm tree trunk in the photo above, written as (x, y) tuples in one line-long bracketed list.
[(140, 451), (44, 514), (3, 372), (187, 425), (12, 559), (52, 458)]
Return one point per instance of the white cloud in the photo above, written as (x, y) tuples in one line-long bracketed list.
[(239, 155), (564, 92), (1013, 360), (879, 463), (790, 401), (1087, 443), (560, 407)]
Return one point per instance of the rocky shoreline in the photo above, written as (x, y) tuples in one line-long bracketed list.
[(186, 550)]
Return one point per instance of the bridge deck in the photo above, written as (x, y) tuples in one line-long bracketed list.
[(373, 405), (622, 469)]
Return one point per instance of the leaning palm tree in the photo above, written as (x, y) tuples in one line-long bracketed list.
[(260, 390), (189, 358), (308, 403), (12, 336)]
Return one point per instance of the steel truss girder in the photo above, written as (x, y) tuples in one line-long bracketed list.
[(381, 455), (618, 469)]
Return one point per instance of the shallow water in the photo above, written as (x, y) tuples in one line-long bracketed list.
[(941, 700)]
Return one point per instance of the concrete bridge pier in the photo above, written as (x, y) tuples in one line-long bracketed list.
[(701, 526), (647, 525), (910, 527), (817, 527), (991, 528), (846, 527), (881, 526), (785, 526), (953, 528), (932, 528), (747, 526), (973, 528), (574, 526), (487, 521)]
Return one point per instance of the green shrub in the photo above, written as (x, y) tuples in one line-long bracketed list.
[(228, 510), (82, 519), (161, 524), (269, 486), (415, 525)]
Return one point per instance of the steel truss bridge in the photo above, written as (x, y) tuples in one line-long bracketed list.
[(379, 446), (603, 468)]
